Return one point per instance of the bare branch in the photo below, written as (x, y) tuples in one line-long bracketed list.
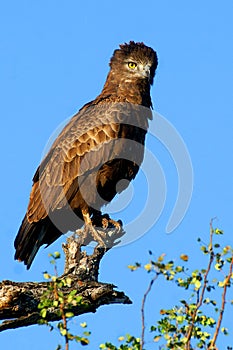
[(19, 300), (143, 310)]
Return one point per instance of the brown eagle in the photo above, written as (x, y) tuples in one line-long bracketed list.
[(101, 145)]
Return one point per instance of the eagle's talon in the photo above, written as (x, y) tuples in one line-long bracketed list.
[(116, 224), (105, 222), (109, 223)]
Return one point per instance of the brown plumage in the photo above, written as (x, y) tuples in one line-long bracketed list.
[(102, 144)]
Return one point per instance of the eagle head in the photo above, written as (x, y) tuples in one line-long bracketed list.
[(135, 61)]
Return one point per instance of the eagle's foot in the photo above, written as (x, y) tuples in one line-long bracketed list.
[(104, 221), (102, 229), (116, 224), (113, 231)]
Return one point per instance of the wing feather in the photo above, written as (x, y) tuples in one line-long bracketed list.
[(84, 144)]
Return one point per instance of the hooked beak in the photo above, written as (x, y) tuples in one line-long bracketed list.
[(144, 71)]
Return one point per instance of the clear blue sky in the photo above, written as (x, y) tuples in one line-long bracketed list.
[(54, 58)]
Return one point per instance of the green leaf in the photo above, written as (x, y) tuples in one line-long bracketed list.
[(157, 338), (223, 283), (83, 324), (218, 266), (43, 313), (63, 331), (224, 330), (69, 314), (180, 319), (204, 249), (179, 269), (197, 284), (56, 255), (161, 257), (148, 267), (78, 299), (84, 341), (211, 322), (87, 333), (217, 231), (68, 282), (47, 276), (134, 267), (121, 338), (73, 292)]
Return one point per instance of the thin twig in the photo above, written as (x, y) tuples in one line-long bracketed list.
[(61, 307), (143, 310), (63, 316), (226, 284), (65, 326)]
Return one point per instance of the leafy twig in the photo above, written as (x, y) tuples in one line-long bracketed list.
[(200, 301), (226, 284)]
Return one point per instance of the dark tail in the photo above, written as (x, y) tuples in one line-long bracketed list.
[(31, 236)]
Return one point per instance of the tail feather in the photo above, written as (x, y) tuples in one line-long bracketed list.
[(30, 237)]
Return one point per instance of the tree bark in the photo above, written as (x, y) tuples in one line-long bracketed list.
[(19, 300)]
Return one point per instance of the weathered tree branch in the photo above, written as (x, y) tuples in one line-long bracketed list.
[(19, 300)]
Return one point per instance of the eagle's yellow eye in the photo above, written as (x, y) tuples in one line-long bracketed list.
[(132, 65)]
